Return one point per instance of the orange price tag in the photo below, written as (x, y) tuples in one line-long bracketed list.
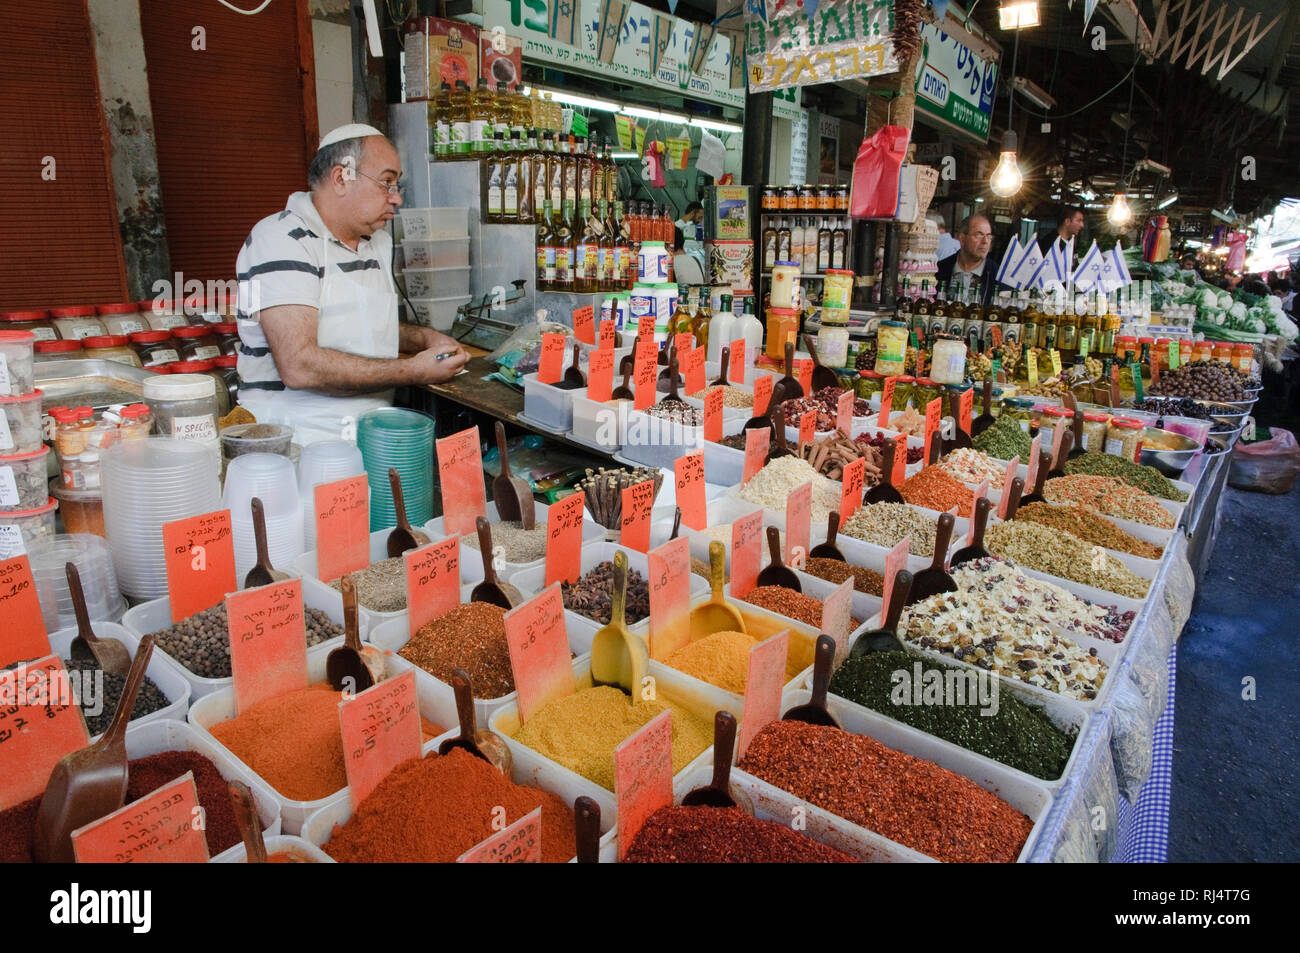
[(887, 401), (736, 362), (20, 607), (689, 474), (1013, 467), (40, 722), (1058, 435), (683, 343), (432, 582), (803, 369), (895, 560), (692, 368), (764, 680), (644, 377), (746, 553), (808, 427), (638, 500), (899, 473), (381, 729), (758, 440), (550, 366), (199, 555), (643, 776), (520, 843), (837, 615), (713, 401), (608, 336), (981, 492), (844, 412), (798, 525), (163, 827), (669, 566), (584, 324), (600, 375), (762, 393), (996, 333), (645, 330), (268, 641), (460, 471), (564, 539), (539, 651), (932, 413), (1032, 477), (964, 405), (342, 526), (855, 475)]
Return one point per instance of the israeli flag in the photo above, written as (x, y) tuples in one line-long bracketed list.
[(1022, 275), (1063, 257), (1044, 276), (1009, 260), (1089, 273), (1121, 266)]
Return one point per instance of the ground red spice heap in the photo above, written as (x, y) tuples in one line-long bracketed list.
[(936, 490), (909, 800), (434, 809), (791, 604), (711, 835)]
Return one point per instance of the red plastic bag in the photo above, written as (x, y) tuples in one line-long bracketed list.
[(876, 171), (1268, 466)]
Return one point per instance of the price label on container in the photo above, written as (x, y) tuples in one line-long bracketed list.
[(608, 336), (539, 651), (643, 776), (837, 615), (933, 411), (887, 401), (808, 426), (851, 488), (634, 519), (1135, 370), (432, 582), (342, 526), (688, 472), (1031, 480), (713, 402), (758, 441), (645, 331), (798, 528), (692, 368), (844, 413), (736, 362), (600, 375), (803, 370), (1155, 368), (1013, 468), (40, 722), (895, 560), (1173, 355), (460, 472), (645, 374), (746, 553), (764, 679), (683, 343), (20, 607), (268, 641), (381, 729), (584, 324), (981, 492), (762, 393), (899, 473), (520, 843), (550, 366), (199, 554), (163, 827), (564, 539), (1031, 368), (1055, 356), (965, 404), (669, 566)]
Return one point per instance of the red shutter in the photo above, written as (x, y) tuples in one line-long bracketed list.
[(61, 240), (231, 123)]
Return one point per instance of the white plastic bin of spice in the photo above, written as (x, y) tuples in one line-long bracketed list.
[(304, 852), (23, 481), (656, 441), (16, 353), (471, 560), (19, 529), (76, 323), (1124, 438), (547, 405), (183, 405), (320, 591), (601, 426), (123, 318), (20, 423)]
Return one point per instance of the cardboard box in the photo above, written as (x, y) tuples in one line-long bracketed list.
[(501, 59), (438, 51)]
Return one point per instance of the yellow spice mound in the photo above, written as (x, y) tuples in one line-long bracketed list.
[(720, 659)]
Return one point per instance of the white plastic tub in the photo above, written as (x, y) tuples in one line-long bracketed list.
[(599, 425), (436, 253), (308, 851), (656, 442), (547, 405), (437, 313), (717, 513), (424, 224), (20, 423), (437, 282)]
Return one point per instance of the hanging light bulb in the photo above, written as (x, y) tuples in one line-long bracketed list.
[(1006, 179), (1119, 214)]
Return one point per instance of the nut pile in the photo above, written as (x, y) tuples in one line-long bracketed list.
[(202, 642), (520, 545), (731, 396), (471, 637), (771, 486), (973, 466), (832, 570), (878, 440), (1088, 526), (934, 489), (593, 595), (1063, 554), (884, 524), (830, 455), (1204, 380), (1111, 497), (1148, 479)]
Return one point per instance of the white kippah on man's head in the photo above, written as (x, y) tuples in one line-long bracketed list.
[(352, 130)]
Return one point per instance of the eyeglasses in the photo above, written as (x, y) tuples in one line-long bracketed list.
[(394, 189)]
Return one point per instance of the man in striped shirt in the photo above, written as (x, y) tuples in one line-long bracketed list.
[(319, 335)]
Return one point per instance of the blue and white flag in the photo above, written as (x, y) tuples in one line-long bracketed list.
[(1043, 276), (1121, 265), (1089, 273), (612, 15), (1031, 259), (563, 24), (1009, 261)]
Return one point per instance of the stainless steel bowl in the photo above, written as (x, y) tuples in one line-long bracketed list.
[(1228, 413), (1167, 452)]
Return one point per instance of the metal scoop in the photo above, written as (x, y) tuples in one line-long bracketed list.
[(777, 574), (513, 498), (618, 657), (345, 669), (111, 654), (932, 581), (481, 744), (884, 492), (828, 549), (976, 548), (403, 537), (250, 825), (822, 376), (814, 712), (491, 590), (885, 638), (716, 615), (262, 573), (717, 793)]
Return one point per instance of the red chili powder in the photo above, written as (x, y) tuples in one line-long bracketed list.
[(711, 835)]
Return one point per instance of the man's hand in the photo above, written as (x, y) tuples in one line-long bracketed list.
[(439, 363), (416, 338)]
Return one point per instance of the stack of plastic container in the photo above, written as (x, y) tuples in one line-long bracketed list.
[(90, 554), (323, 462), (435, 256), (391, 437), (147, 483), (271, 478)]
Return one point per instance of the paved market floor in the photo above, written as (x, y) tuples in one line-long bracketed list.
[(1236, 777)]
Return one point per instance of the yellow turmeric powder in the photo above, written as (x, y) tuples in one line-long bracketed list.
[(721, 659)]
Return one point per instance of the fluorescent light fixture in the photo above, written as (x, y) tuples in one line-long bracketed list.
[(624, 155), (654, 114), (1017, 16), (718, 125), (1168, 201), (1033, 92)]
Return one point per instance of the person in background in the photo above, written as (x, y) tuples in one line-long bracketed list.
[(1282, 288), (947, 244), (318, 329), (1188, 263), (971, 260), (684, 227), (1071, 224)]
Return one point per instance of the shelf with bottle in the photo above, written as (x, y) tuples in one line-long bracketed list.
[(463, 122), (804, 199), (817, 243)]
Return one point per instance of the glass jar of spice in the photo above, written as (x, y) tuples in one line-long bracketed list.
[(227, 333), (904, 384), (925, 390), (111, 347), (57, 351), (1020, 409), (1096, 428), (225, 367), (154, 348), (197, 343), (38, 322), (73, 324), (123, 318), (163, 315), (1124, 438), (1202, 351), (183, 405), (1052, 417)]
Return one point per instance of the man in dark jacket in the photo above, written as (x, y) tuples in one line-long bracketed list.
[(971, 262)]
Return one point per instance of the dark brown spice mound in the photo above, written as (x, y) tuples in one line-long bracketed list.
[(471, 637), (832, 570), (711, 835)]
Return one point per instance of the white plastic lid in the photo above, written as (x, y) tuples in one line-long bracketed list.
[(179, 387)]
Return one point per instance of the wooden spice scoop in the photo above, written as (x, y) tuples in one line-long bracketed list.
[(765, 418), (262, 573), (932, 581), (976, 548), (491, 590), (717, 614), (1013, 501), (618, 657), (513, 498), (1044, 465), (90, 782), (985, 420), (586, 829), (822, 376), (726, 360), (345, 669), (623, 391), (778, 447), (717, 793), (776, 574), (403, 537), (885, 638), (481, 744), (828, 549), (672, 397), (573, 374), (250, 825), (814, 712), (790, 384), (677, 521), (884, 492), (1076, 429), (1067, 441), (626, 365), (111, 654)]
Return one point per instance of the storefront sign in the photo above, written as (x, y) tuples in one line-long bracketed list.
[(953, 84), (842, 39)]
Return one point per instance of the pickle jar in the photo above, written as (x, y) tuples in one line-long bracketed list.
[(1020, 409), (868, 384)]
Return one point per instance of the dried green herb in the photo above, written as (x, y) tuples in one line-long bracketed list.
[(1147, 479), (1004, 440)]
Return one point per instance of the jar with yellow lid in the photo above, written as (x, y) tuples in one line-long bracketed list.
[(1124, 438)]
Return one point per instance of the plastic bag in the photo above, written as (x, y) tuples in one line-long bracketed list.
[(519, 353), (1268, 466), (876, 172)]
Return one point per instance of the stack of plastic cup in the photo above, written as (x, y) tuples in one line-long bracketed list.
[(392, 437), (147, 483), (94, 562), (272, 479), (323, 462)]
